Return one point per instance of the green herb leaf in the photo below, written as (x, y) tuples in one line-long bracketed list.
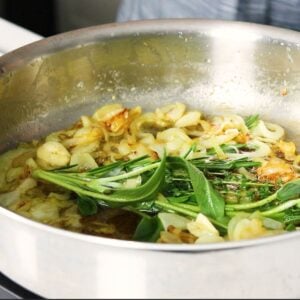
[(87, 206), (252, 121), (192, 149), (148, 230), (290, 227), (211, 202), (292, 216), (290, 190), (145, 192), (179, 199)]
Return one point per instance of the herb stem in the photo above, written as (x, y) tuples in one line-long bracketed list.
[(249, 183), (191, 207), (184, 211), (231, 213), (192, 149), (282, 207), (69, 186), (129, 174), (251, 205), (95, 190)]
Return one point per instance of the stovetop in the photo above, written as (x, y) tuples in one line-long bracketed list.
[(11, 290)]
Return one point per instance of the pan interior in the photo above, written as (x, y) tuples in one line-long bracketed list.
[(244, 71), (216, 71)]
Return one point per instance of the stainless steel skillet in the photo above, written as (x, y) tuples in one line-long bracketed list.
[(212, 65)]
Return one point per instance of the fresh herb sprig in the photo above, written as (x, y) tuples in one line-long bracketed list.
[(93, 184), (179, 185), (280, 205)]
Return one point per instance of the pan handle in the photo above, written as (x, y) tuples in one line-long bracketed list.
[(14, 36)]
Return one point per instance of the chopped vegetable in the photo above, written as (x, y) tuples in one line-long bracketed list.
[(168, 176)]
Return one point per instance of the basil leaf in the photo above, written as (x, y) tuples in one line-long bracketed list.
[(211, 202), (87, 206), (148, 230), (290, 190)]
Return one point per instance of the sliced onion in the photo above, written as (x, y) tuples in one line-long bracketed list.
[(261, 150), (268, 130), (10, 198), (191, 118), (201, 225), (84, 161), (296, 163), (233, 223), (272, 224), (208, 238), (131, 183), (107, 112), (226, 122), (212, 141), (177, 221), (171, 112)]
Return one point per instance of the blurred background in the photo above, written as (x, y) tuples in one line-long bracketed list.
[(48, 17)]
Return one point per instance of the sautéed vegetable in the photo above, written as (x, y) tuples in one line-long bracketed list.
[(171, 175)]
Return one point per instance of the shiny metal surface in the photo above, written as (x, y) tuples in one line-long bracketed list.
[(212, 65)]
